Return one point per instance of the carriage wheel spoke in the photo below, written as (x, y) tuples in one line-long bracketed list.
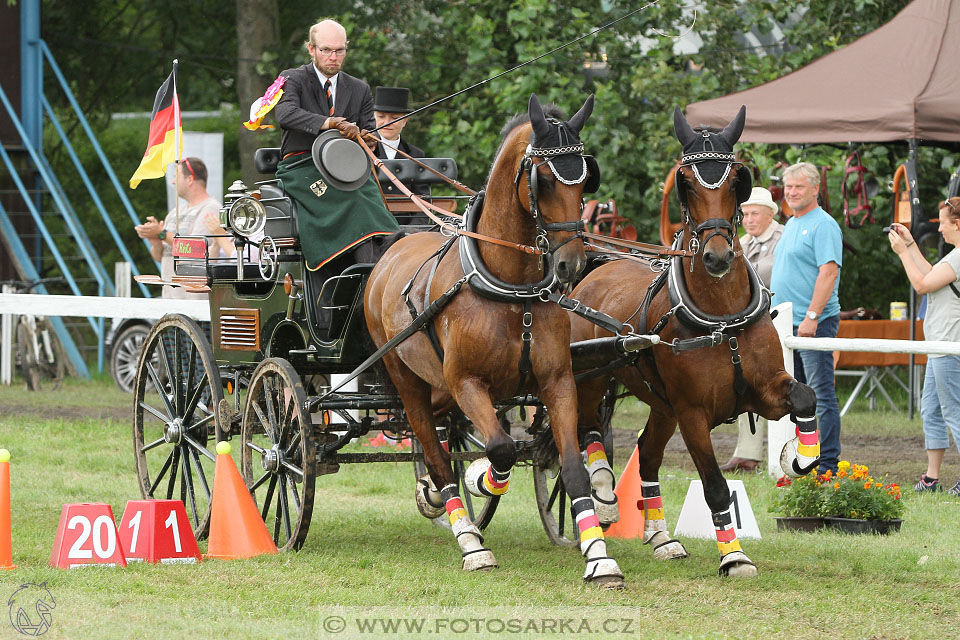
[(266, 476), (293, 494), (553, 494), (562, 511), (195, 395), (269, 408), (285, 506), (264, 422), (293, 469), (270, 489), (160, 392), (187, 487), (201, 476), (156, 412), (199, 447), (177, 380), (155, 443), (174, 470), (163, 470), (162, 348), (294, 444)]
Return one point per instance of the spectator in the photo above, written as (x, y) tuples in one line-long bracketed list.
[(763, 233), (940, 404), (806, 272), (200, 218)]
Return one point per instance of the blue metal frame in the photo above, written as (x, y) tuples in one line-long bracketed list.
[(29, 272)]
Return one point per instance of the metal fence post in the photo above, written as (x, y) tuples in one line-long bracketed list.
[(6, 343)]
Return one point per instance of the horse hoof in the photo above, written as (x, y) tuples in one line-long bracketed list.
[(671, 550), (738, 565), (429, 502), (481, 560), (607, 514), (793, 463), (474, 476), (608, 583)]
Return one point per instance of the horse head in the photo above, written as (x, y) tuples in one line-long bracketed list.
[(552, 174), (710, 193)]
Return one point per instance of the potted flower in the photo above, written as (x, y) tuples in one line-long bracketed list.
[(854, 501), (799, 503)]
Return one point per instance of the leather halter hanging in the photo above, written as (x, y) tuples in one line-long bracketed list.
[(854, 166)]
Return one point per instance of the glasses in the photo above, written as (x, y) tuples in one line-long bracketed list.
[(326, 52)]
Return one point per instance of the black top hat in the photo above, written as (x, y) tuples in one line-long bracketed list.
[(392, 100), (341, 161)]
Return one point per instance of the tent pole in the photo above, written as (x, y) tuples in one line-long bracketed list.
[(915, 219)]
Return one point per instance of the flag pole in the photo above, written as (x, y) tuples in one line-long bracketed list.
[(177, 149)]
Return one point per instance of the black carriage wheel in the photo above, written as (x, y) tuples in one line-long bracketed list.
[(175, 428), (554, 505), (125, 356), (480, 510), (277, 453)]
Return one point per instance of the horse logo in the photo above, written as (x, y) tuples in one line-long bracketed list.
[(30, 607)]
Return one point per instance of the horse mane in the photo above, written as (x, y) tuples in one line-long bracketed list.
[(550, 110)]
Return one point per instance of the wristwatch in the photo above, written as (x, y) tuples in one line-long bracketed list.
[(162, 234), (812, 315)]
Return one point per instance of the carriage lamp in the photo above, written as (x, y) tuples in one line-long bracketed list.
[(246, 216)]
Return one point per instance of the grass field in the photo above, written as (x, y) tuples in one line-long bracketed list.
[(371, 560)]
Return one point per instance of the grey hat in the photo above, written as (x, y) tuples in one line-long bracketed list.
[(392, 100), (340, 161)]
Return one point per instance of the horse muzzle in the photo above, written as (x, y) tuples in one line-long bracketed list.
[(717, 263), (569, 261)]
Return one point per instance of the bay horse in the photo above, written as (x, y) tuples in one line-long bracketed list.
[(719, 353), (496, 337)]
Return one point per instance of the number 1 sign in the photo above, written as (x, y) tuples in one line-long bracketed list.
[(157, 531), (87, 534)]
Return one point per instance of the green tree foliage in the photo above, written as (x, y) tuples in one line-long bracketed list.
[(436, 47)]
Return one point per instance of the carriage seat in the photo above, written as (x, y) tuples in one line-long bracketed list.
[(414, 176), (266, 160)]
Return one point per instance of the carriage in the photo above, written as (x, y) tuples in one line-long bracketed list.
[(278, 337)]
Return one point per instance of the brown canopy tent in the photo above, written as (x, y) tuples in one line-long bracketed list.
[(899, 82)]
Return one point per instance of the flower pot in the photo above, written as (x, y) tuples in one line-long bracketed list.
[(799, 523), (883, 527), (850, 525)]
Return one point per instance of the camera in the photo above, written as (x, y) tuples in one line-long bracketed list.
[(887, 229)]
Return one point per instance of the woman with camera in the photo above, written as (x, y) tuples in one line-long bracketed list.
[(940, 404)]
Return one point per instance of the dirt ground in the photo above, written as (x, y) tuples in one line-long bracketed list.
[(901, 457)]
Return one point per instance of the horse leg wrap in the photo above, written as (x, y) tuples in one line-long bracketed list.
[(475, 555), (801, 455), (601, 568), (602, 480), (732, 559), (655, 532), (483, 481), (429, 502)]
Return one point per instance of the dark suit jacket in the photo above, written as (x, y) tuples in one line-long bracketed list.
[(303, 108)]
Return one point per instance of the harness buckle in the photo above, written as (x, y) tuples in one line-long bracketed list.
[(527, 319)]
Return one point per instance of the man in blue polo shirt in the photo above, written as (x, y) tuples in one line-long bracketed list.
[(806, 272)]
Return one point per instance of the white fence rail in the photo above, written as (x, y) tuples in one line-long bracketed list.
[(12, 304), (782, 430)]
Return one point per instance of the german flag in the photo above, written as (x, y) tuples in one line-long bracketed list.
[(165, 144)]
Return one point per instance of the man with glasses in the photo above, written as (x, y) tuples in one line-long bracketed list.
[(319, 95), (201, 217)]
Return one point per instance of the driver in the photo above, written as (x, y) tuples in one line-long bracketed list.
[(319, 96)]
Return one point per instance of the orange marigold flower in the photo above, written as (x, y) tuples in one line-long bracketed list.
[(841, 473), (867, 484), (836, 486)]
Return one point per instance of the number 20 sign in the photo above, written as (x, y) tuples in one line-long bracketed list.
[(87, 534), (157, 531)]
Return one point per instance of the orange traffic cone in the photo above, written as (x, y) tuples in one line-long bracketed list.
[(236, 528), (630, 524), (6, 555)]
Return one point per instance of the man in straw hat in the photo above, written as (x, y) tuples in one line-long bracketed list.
[(763, 233)]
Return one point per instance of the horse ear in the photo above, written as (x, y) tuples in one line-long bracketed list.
[(580, 117), (684, 132), (731, 133), (537, 119)]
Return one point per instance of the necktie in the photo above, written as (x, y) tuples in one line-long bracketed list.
[(326, 85)]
